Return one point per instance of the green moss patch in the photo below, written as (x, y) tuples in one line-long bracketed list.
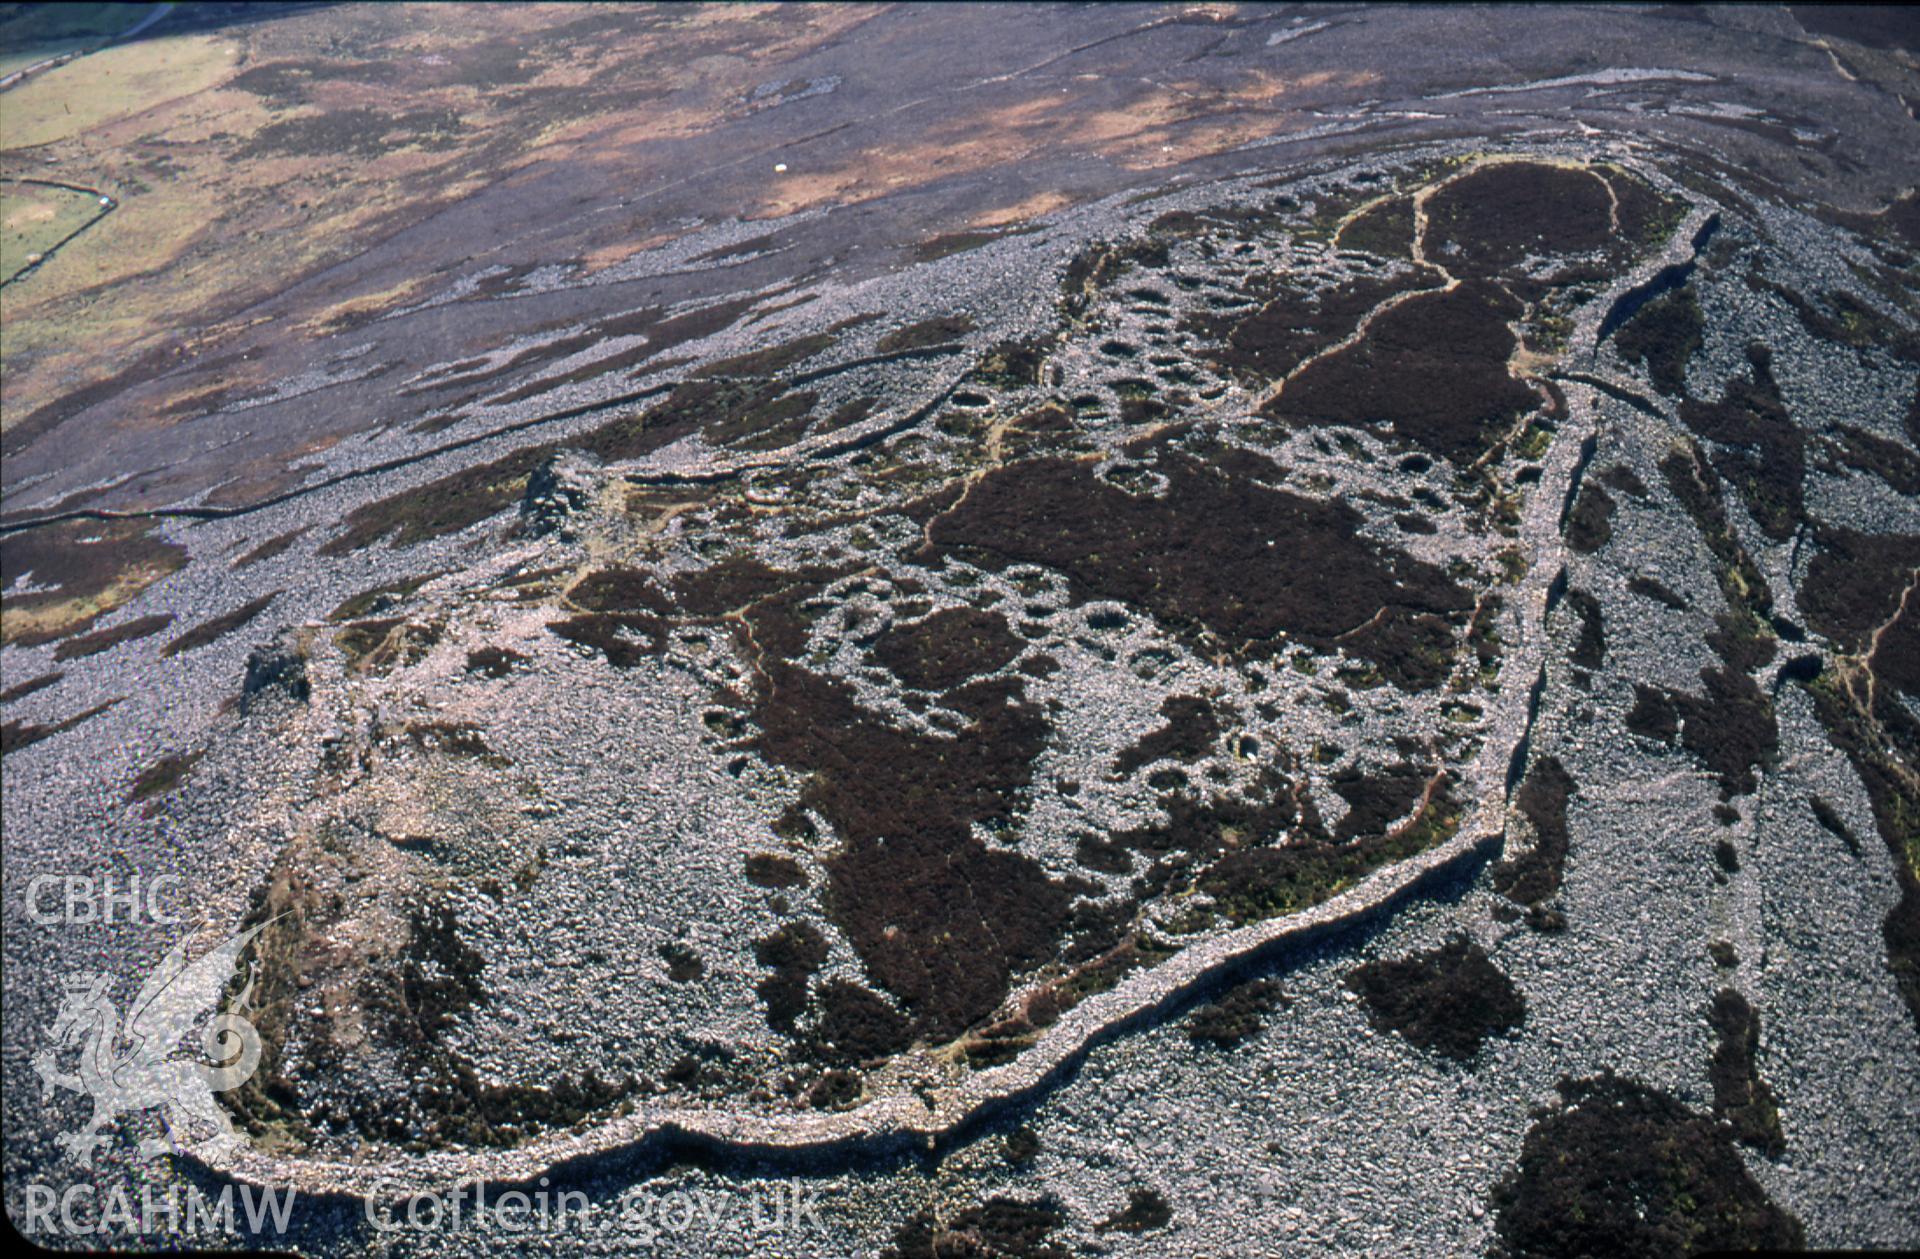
[(1266, 882), (1880, 738)]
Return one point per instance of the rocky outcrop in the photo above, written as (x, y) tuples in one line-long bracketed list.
[(277, 667), (559, 491)]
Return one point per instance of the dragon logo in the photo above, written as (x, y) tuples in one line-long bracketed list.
[(129, 1068)]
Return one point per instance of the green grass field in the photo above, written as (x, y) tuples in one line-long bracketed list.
[(34, 219), (23, 24), (31, 33)]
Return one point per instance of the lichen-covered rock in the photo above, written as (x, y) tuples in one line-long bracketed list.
[(277, 667), (558, 491)]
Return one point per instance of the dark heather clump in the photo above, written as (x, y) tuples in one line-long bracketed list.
[(856, 1025), (1653, 714), (1651, 588), (1695, 484), (793, 953), (936, 331), (18, 734), (1620, 477), (1385, 229), (1431, 372), (1534, 876), (947, 648), (942, 921), (1881, 456), (1146, 1210), (1590, 649), (683, 964), (1664, 335), (1625, 1170), (270, 548), (1448, 1000), (495, 662), (1731, 728), (767, 869), (999, 1228), (1829, 817), (1292, 325), (212, 630), (1498, 215), (106, 639), (1854, 583), (1760, 449), (381, 599), (1191, 729), (1590, 523), (1236, 1014), (1376, 800), (164, 775), (1199, 560), (1740, 1096), (24, 689)]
